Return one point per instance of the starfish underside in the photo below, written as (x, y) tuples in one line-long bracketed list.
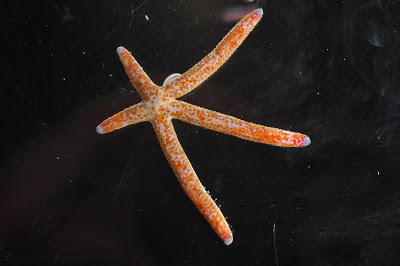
[(159, 105)]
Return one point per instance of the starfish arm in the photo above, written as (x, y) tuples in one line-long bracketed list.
[(139, 79), (214, 60), (237, 127), (188, 178), (130, 115)]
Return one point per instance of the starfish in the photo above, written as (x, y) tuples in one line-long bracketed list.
[(159, 105)]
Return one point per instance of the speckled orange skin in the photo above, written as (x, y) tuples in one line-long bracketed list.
[(159, 106)]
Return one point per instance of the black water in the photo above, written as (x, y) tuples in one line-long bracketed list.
[(69, 196)]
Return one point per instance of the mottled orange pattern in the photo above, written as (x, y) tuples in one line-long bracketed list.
[(159, 106)]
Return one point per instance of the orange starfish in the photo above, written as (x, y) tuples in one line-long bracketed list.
[(159, 106)]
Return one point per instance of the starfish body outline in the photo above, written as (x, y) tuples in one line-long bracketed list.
[(159, 105)]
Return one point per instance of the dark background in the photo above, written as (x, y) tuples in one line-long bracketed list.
[(69, 196)]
